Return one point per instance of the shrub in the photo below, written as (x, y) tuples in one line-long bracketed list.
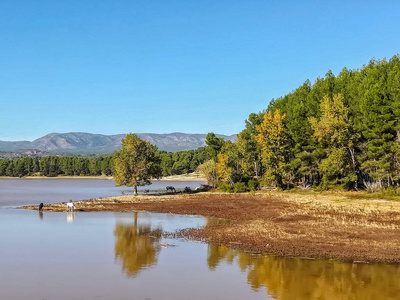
[(239, 187), (253, 184), (391, 191), (268, 179), (225, 187)]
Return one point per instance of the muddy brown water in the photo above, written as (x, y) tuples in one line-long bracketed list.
[(106, 255)]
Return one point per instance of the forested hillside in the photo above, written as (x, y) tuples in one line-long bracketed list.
[(175, 163), (340, 131)]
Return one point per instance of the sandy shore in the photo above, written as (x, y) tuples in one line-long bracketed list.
[(185, 177), (329, 226)]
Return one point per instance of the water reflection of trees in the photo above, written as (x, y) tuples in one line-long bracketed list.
[(137, 246), (293, 278)]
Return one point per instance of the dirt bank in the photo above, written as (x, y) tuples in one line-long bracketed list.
[(333, 226)]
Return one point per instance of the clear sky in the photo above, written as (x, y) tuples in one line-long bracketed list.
[(164, 66)]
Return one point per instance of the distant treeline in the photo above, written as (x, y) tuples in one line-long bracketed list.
[(181, 162), (51, 166), (340, 131)]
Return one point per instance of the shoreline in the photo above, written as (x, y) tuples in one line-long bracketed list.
[(58, 177), (335, 226), (183, 177)]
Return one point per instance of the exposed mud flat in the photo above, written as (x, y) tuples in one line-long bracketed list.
[(313, 226)]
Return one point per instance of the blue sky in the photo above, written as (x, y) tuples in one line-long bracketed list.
[(165, 66)]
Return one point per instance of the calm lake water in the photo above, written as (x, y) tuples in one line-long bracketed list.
[(102, 255), (18, 192)]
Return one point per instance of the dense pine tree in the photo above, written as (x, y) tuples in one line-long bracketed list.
[(340, 131)]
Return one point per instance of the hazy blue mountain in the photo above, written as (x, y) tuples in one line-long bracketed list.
[(88, 143), (13, 146)]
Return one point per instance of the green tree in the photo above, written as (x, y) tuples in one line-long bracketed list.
[(95, 166), (253, 149), (136, 163), (66, 165), (380, 123), (4, 163), (10, 169), (19, 168), (214, 145), (107, 165)]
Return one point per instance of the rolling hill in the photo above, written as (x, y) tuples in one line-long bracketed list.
[(88, 143)]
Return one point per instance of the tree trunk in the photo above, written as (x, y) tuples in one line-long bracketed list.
[(255, 168), (135, 190), (354, 165)]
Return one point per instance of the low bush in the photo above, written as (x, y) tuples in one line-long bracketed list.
[(239, 187), (391, 191), (253, 184), (225, 187)]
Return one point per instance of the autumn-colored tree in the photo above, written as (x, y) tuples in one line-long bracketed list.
[(271, 138), (223, 169), (333, 127), (136, 163), (333, 130), (209, 171)]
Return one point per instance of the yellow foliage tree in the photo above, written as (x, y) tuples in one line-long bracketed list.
[(333, 127), (272, 140), (223, 169), (333, 130)]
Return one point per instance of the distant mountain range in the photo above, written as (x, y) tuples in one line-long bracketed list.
[(87, 143)]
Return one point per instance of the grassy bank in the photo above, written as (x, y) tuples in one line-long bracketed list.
[(342, 226)]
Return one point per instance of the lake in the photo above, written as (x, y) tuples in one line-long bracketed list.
[(107, 255), (18, 192)]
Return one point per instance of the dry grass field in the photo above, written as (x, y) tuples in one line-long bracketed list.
[(354, 227)]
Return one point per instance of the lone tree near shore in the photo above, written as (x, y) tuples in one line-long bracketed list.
[(136, 163)]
